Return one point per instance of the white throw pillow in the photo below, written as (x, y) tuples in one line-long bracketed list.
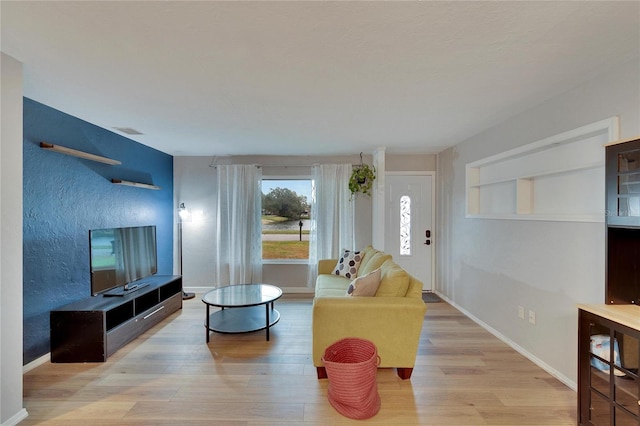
[(366, 285), (348, 264)]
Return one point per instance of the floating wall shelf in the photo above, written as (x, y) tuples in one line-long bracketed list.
[(80, 154), (136, 184)]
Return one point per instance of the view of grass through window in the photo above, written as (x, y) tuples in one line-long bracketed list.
[(285, 218)]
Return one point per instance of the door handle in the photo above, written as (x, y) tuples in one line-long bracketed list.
[(428, 242)]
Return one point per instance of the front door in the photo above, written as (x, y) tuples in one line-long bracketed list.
[(409, 224)]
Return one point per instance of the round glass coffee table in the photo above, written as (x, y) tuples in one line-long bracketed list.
[(241, 308)]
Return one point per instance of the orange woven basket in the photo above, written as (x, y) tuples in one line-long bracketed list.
[(351, 366)]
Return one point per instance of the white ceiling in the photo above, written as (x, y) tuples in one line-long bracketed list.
[(310, 78)]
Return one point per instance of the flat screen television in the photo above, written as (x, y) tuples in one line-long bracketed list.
[(120, 258)]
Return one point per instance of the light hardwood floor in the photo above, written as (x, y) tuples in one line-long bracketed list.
[(170, 376)]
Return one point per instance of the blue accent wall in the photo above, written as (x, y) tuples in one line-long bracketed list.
[(64, 197)]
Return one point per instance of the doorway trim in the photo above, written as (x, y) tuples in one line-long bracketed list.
[(434, 220)]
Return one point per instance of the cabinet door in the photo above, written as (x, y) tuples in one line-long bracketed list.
[(609, 388), (623, 183), (626, 383), (598, 389)]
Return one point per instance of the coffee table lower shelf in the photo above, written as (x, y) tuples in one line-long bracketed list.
[(243, 320)]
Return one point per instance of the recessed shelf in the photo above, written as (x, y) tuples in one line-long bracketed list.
[(79, 154), (539, 217), (135, 184), (556, 178), (575, 168)]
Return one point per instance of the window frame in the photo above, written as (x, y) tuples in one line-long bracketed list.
[(306, 177)]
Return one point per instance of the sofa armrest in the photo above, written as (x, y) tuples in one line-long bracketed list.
[(326, 266), (393, 324)]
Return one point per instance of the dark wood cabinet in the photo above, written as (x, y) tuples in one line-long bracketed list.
[(623, 183), (92, 329), (608, 381), (623, 222), (609, 334)]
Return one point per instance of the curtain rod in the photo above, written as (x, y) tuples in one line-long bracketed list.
[(299, 165), (214, 163), (215, 158), (284, 165)]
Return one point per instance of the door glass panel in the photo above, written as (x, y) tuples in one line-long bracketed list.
[(627, 383), (599, 410), (626, 391), (629, 352), (629, 161), (625, 419), (405, 225), (629, 183), (599, 360), (629, 206), (599, 379)]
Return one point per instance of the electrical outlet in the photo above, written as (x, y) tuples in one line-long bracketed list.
[(521, 312), (532, 317)]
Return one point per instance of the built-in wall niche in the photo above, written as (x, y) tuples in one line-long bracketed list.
[(559, 178)]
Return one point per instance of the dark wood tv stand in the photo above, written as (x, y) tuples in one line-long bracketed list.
[(92, 329)]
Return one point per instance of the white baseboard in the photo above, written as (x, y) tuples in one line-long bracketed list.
[(16, 418), (36, 363), (197, 290), (522, 351)]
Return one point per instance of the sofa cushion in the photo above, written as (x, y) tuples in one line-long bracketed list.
[(328, 285), (365, 285), (394, 280), (348, 264), (372, 260)]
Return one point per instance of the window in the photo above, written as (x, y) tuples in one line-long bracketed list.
[(405, 225), (285, 218)]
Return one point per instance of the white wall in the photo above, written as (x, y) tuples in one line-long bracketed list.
[(490, 267), (194, 185), (11, 410)]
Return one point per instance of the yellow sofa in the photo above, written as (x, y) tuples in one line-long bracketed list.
[(392, 319)]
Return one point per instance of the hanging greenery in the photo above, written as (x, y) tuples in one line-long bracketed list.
[(362, 178)]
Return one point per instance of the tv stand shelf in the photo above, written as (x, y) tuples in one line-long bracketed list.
[(92, 329)]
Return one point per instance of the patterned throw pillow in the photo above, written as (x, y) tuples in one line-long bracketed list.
[(366, 285), (348, 264)]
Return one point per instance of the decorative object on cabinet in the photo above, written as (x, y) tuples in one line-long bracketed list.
[(551, 179), (361, 179), (136, 184), (80, 154)]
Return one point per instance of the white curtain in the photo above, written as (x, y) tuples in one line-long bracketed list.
[(239, 245), (332, 215)]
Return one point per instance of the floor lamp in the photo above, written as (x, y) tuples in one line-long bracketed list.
[(183, 213)]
